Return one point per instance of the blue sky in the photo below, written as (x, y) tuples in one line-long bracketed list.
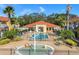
[(21, 9)]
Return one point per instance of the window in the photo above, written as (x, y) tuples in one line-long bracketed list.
[(47, 28)]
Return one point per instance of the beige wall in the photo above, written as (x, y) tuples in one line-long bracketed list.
[(44, 28)]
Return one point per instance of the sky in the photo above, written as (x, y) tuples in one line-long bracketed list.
[(21, 9)]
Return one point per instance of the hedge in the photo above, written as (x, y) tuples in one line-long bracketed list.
[(71, 42), (4, 41)]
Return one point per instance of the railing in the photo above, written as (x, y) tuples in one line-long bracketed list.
[(11, 51)]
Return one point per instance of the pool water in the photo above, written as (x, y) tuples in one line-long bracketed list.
[(40, 36), (40, 50)]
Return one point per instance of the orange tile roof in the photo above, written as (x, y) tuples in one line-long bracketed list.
[(42, 23), (3, 19)]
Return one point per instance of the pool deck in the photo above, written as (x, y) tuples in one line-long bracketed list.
[(50, 42)]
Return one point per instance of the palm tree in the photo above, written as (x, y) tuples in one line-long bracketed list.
[(9, 11), (68, 15)]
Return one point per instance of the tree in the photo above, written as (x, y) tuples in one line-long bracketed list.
[(33, 17), (9, 11), (22, 22), (58, 19)]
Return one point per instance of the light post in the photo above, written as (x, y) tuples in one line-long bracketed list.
[(68, 16)]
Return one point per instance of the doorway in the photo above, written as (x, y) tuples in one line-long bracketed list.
[(41, 29)]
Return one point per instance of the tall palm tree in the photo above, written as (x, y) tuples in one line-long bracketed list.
[(68, 15), (9, 11)]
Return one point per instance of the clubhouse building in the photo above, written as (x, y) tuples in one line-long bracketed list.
[(42, 26)]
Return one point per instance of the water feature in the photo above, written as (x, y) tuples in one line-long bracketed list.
[(35, 44), (41, 49), (36, 49), (39, 36)]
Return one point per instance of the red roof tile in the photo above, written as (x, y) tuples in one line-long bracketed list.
[(43, 23), (3, 19)]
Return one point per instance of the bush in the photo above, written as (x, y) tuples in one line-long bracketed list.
[(76, 32), (71, 42), (10, 34), (4, 41), (17, 38), (58, 32), (67, 34), (2, 38)]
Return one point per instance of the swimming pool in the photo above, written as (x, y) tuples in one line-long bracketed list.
[(39, 36)]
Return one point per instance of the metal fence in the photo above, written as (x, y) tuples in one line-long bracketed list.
[(11, 51)]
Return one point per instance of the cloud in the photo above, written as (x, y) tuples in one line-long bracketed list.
[(26, 11), (42, 9)]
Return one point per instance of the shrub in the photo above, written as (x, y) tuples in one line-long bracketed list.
[(71, 42), (17, 38), (10, 34), (2, 38), (67, 34), (4, 41), (58, 32), (76, 32)]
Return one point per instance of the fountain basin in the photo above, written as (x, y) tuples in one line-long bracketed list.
[(41, 49)]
